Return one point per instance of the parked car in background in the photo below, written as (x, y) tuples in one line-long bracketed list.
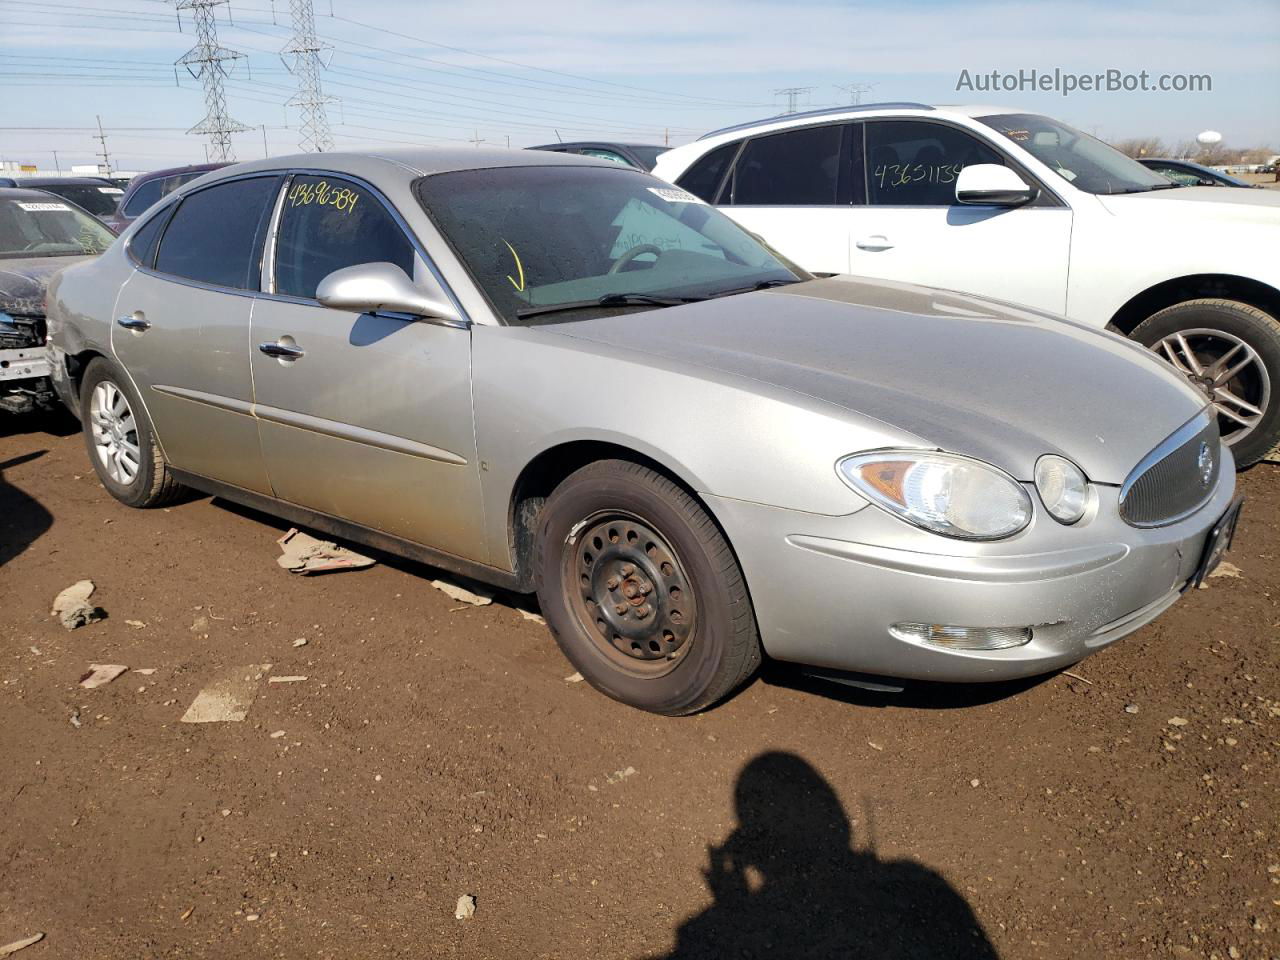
[(411, 350), (1191, 174), (1017, 206), (39, 235), (98, 195), (147, 188), (642, 156), (8, 182)]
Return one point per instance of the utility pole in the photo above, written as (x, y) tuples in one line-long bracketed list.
[(102, 139), (305, 50), (792, 94), (265, 151), (57, 166), (477, 140), (855, 90), (206, 62)]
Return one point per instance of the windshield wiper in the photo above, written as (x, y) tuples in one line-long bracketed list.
[(762, 285), (1155, 186), (608, 300)]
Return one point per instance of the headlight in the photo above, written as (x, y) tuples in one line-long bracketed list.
[(1063, 487), (941, 492)]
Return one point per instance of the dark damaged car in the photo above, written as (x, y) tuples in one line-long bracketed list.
[(39, 235)]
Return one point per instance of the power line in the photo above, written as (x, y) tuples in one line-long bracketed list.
[(205, 61), (305, 50)]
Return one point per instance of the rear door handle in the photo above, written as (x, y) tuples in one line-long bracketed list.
[(875, 242), (282, 351), (134, 321)]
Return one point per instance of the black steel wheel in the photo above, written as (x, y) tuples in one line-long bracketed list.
[(641, 590)]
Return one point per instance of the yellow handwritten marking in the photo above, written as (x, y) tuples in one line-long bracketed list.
[(519, 268), (322, 193)]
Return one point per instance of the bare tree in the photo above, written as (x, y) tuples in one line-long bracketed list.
[(1141, 147)]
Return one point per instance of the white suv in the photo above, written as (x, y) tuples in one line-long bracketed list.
[(1019, 207)]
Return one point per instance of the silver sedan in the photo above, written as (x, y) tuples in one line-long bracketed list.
[(565, 377)]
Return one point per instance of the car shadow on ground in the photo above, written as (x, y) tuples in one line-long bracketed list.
[(788, 882), (914, 695), (22, 517)]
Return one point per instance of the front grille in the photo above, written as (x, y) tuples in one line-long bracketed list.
[(1171, 482)]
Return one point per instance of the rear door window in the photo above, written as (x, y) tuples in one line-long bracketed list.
[(795, 168), (216, 234), (703, 179), (915, 163), (144, 196), (329, 223)]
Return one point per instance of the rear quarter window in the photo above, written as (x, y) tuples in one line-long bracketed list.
[(215, 235)]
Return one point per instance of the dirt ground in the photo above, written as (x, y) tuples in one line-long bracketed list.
[(436, 750)]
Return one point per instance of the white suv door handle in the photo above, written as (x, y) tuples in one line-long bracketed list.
[(875, 242)]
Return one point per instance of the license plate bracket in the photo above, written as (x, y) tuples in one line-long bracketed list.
[(1218, 542)]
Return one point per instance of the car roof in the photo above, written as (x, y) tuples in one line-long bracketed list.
[(71, 181), (171, 171), (855, 111), (597, 143), (417, 161)]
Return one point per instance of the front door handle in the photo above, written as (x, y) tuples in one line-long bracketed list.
[(874, 243), (281, 351), (134, 321)]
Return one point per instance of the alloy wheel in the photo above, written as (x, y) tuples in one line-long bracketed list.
[(115, 433), (1227, 370)]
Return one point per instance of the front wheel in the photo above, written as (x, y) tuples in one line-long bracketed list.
[(641, 590), (1230, 351)]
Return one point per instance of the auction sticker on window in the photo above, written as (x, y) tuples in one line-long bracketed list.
[(675, 195), (111, 190), (43, 207)]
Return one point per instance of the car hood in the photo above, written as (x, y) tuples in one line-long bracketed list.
[(1198, 203), (23, 282), (962, 373)]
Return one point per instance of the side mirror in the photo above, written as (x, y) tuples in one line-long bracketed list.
[(992, 185), (370, 287)]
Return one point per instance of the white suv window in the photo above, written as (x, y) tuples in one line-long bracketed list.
[(795, 168), (915, 163)]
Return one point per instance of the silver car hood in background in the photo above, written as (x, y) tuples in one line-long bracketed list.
[(972, 376)]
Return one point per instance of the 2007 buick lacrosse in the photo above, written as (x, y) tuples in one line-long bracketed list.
[(561, 376)]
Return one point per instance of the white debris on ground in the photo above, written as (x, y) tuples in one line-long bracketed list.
[(461, 594), (228, 698), (573, 678), (303, 553), (101, 673), (285, 679), (300, 642), (535, 617), (466, 907), (11, 948), (72, 606), (619, 775)]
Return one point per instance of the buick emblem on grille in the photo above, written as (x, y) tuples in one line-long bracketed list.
[(1205, 463)]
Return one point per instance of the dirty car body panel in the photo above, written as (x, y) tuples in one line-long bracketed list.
[(420, 433)]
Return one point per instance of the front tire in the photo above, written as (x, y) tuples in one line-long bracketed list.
[(642, 591), (121, 443), (1230, 351)]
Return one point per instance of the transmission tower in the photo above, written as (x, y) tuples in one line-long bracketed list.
[(855, 90), (206, 62), (306, 52), (792, 94)]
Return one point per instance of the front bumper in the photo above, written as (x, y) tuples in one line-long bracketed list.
[(827, 589), (25, 363)]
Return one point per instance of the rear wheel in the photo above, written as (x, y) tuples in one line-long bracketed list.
[(121, 444), (641, 590), (1230, 351)]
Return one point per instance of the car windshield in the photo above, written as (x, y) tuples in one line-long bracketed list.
[(32, 225), (648, 155), (101, 200), (538, 238), (1084, 162)]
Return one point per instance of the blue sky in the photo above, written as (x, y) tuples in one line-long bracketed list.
[(414, 71)]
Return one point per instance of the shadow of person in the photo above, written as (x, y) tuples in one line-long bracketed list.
[(22, 518), (787, 884)]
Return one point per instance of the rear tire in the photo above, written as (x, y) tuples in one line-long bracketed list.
[(120, 440), (642, 591), (1225, 330)]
